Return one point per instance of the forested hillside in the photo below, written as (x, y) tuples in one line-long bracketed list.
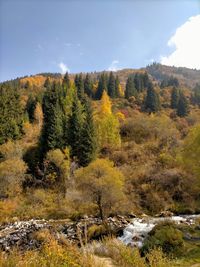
[(100, 144)]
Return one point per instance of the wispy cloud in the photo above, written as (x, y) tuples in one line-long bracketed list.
[(40, 47), (187, 45), (63, 67), (68, 44), (113, 65)]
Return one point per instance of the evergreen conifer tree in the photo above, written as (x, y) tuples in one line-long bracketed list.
[(75, 124), (88, 86), (79, 82), (102, 85), (130, 87), (111, 86), (11, 113), (117, 86), (30, 107), (66, 80), (174, 97), (52, 131), (182, 107), (88, 144), (152, 101)]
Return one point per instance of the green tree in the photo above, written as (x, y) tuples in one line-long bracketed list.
[(88, 144), (79, 82), (175, 94), (117, 87), (66, 80), (11, 113), (30, 107), (101, 184), (102, 85), (130, 87), (52, 131), (138, 80), (111, 85), (183, 106), (88, 85), (75, 124), (152, 101)]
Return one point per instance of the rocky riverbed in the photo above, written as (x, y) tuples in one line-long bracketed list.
[(131, 231), (20, 233), (135, 232)]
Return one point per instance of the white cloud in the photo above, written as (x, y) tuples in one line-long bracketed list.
[(113, 65), (63, 67), (187, 45), (67, 44)]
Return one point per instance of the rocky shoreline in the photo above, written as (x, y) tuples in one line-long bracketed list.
[(131, 230), (20, 234)]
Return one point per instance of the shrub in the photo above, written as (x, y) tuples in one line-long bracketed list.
[(167, 237)]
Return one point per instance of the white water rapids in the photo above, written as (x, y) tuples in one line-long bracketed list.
[(135, 233)]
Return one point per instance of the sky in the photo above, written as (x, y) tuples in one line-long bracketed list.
[(94, 35)]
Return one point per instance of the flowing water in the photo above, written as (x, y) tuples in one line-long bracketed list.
[(135, 233)]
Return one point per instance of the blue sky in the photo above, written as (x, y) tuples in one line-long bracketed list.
[(56, 35)]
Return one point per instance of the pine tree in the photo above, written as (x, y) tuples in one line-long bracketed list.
[(117, 87), (102, 85), (88, 139), (66, 80), (130, 88), (52, 131), (79, 85), (182, 107), (88, 86), (11, 113), (111, 85), (152, 101), (30, 107), (138, 80), (145, 79), (75, 124), (174, 97)]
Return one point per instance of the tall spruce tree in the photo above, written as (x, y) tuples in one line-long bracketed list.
[(117, 86), (102, 85), (66, 80), (152, 101), (111, 85), (88, 144), (88, 85), (130, 87), (11, 113), (175, 94), (79, 82), (138, 80), (183, 106), (30, 107), (145, 79), (52, 131), (75, 124)]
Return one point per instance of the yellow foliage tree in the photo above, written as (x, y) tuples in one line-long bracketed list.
[(105, 108), (107, 125), (61, 159), (102, 184), (38, 115)]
